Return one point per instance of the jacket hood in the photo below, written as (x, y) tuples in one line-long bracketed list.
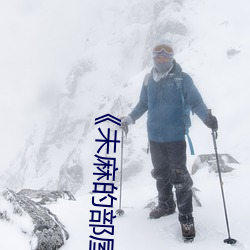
[(176, 68)]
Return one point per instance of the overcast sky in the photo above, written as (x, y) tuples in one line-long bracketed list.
[(40, 42)]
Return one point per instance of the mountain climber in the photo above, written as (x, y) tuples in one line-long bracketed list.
[(166, 102)]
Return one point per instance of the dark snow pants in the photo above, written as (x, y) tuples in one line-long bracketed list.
[(169, 162)]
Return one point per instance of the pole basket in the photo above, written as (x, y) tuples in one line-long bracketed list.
[(120, 212)]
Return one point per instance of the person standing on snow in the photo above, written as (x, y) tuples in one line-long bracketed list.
[(162, 100)]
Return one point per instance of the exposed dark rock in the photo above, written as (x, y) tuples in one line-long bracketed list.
[(152, 203), (44, 196), (48, 230), (78, 71), (232, 52), (209, 160), (70, 176)]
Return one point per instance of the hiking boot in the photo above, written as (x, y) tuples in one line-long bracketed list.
[(188, 231), (160, 211)]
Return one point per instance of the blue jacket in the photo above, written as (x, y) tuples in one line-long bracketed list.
[(163, 101)]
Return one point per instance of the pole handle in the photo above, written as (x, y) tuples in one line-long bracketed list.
[(214, 132)]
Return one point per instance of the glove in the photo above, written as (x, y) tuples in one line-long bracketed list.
[(125, 121), (211, 122)]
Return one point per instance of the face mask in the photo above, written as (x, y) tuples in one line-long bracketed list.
[(163, 67)]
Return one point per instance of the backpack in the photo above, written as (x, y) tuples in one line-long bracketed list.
[(186, 108)]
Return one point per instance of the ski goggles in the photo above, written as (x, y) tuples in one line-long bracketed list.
[(163, 50)]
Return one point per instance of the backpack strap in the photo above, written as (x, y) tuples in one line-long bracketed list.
[(178, 80)]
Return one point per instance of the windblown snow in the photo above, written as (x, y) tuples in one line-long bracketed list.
[(65, 63)]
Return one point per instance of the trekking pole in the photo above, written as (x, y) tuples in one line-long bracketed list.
[(119, 211), (229, 240)]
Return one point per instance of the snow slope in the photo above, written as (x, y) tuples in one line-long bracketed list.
[(214, 28), (135, 231), (214, 47)]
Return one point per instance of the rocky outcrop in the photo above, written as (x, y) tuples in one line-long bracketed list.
[(45, 231), (43, 197), (209, 161)]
